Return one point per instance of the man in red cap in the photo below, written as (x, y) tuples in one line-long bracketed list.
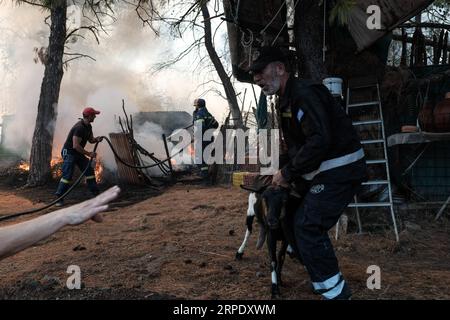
[(74, 154)]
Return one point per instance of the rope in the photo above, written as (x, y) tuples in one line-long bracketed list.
[(273, 19), (250, 41), (248, 44), (285, 23), (324, 46)]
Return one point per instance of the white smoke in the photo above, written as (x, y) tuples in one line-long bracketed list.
[(121, 71)]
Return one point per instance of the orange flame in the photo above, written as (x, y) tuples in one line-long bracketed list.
[(55, 161), (98, 171), (56, 168), (25, 166)]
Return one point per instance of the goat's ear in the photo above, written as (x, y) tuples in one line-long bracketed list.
[(256, 189), (247, 188)]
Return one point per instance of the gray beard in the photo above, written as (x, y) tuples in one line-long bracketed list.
[(273, 88)]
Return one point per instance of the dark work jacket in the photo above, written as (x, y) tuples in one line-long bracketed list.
[(316, 129), (202, 114)]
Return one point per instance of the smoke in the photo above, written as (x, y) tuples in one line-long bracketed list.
[(22, 29), (148, 135), (121, 71)]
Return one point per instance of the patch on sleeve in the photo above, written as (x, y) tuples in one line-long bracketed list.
[(318, 188), (300, 115)]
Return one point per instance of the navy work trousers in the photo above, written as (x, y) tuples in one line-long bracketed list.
[(72, 159), (319, 211)]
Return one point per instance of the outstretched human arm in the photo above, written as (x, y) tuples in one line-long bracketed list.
[(20, 236)]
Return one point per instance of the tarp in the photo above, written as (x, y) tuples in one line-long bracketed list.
[(247, 18), (393, 13)]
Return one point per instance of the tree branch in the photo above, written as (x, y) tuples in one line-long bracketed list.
[(93, 29), (77, 56), (33, 3)]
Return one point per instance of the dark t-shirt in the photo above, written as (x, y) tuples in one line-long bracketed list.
[(81, 130)]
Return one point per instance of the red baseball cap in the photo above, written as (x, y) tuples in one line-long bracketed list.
[(89, 112)]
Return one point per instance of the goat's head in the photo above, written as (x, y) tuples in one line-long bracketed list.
[(274, 200), (267, 204)]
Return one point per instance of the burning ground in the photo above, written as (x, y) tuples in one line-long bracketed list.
[(180, 243)]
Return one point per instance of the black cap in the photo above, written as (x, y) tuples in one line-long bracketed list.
[(199, 103), (265, 55)]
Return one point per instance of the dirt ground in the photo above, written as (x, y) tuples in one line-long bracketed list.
[(181, 243)]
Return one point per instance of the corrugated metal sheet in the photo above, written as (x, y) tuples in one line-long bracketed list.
[(393, 13)]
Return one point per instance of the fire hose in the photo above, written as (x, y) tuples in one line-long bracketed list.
[(77, 182)]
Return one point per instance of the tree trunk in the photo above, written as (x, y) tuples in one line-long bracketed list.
[(308, 30), (41, 150), (227, 85)]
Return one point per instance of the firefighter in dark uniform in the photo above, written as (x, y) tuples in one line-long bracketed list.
[(74, 154), (202, 116), (324, 162)]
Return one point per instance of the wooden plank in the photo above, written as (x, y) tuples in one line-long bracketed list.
[(126, 174)]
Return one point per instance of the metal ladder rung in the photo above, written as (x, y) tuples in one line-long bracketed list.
[(372, 85), (360, 123), (379, 121), (375, 182), (369, 204), (372, 141), (376, 161), (363, 104)]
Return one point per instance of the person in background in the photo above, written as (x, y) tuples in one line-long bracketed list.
[(201, 116), (74, 154)]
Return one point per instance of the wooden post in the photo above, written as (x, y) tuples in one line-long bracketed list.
[(404, 48), (445, 49)]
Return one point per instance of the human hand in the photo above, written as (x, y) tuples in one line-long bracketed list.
[(90, 209), (92, 154), (278, 180)]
